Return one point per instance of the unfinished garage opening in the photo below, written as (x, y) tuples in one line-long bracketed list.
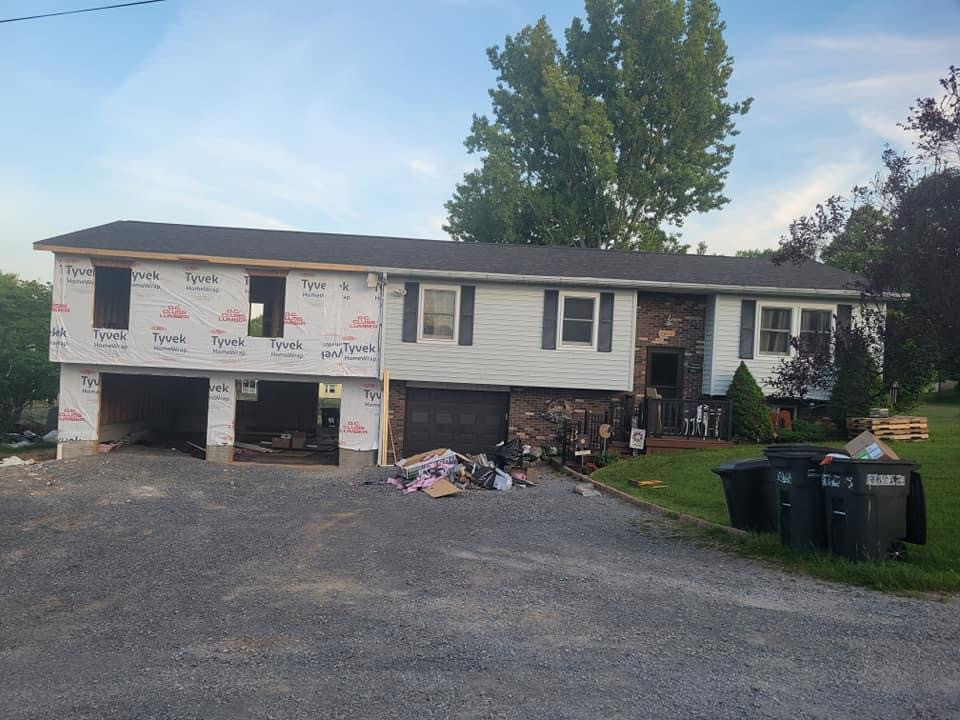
[(287, 422), (162, 411)]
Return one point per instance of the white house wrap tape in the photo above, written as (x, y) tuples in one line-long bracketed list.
[(195, 316), (221, 410), (79, 404), (360, 414)]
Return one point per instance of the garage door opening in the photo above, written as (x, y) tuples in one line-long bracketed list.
[(287, 422), (160, 411), (467, 421)]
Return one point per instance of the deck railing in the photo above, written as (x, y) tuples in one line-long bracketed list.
[(704, 419)]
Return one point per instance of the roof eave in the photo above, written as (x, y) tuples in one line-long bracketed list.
[(626, 284)]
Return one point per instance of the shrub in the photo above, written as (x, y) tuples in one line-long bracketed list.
[(803, 431), (751, 416), (606, 457)]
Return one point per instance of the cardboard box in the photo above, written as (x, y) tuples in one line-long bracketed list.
[(298, 440), (412, 466), (442, 488), (281, 442), (866, 446)]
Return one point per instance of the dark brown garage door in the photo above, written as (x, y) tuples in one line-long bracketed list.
[(465, 420)]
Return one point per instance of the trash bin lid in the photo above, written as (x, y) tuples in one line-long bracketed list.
[(798, 450)]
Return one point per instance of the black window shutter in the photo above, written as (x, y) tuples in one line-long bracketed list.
[(605, 329), (844, 317), (411, 306), (551, 298), (748, 318), (467, 293)]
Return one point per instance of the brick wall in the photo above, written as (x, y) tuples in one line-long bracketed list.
[(671, 321), (397, 415), (526, 412), (528, 405)]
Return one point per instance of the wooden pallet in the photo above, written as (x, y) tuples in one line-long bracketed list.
[(898, 427)]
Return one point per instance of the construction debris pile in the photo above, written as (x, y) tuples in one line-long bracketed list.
[(443, 471)]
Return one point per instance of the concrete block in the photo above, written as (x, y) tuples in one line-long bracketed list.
[(220, 453), (350, 459), (76, 448)]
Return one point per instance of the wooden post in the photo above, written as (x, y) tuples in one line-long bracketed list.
[(384, 417)]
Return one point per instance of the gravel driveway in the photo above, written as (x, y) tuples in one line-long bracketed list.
[(134, 586)]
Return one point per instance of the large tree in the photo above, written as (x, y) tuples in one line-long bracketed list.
[(603, 143), (25, 372)]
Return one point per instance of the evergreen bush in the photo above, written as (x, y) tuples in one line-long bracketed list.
[(751, 416)]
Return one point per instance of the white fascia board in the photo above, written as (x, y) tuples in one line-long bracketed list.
[(704, 288)]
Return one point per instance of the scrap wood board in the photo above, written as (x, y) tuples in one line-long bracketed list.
[(898, 427)]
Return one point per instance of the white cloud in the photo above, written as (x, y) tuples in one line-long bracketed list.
[(419, 166), (759, 217)]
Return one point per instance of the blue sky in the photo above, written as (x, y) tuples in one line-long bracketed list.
[(350, 117)]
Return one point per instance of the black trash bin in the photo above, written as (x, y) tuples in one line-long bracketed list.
[(867, 507), (751, 496), (795, 470)]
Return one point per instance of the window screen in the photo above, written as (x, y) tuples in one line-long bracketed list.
[(815, 330), (577, 321), (439, 313), (775, 330)]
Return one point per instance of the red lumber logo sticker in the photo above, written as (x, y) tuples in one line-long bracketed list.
[(174, 311), (292, 318), (233, 315), (363, 322), (71, 415)]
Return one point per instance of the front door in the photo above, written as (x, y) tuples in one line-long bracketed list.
[(665, 371)]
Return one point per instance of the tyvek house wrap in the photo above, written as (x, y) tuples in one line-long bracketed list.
[(221, 410), (360, 414), (195, 316), (79, 413)]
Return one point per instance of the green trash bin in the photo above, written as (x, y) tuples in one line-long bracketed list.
[(867, 508), (750, 494), (795, 469)]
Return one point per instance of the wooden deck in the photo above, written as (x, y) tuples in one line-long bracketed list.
[(672, 443)]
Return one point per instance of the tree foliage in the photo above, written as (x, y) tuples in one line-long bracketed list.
[(848, 368), (902, 234), (25, 372), (601, 144), (751, 416), (756, 253)]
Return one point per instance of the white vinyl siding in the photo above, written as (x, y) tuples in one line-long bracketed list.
[(506, 350), (722, 357)]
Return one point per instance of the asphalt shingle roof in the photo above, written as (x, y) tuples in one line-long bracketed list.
[(414, 254)]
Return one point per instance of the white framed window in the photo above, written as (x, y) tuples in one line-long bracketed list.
[(247, 389), (815, 329), (331, 389), (776, 324), (439, 312), (578, 320)]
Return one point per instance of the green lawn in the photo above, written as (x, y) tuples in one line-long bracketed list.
[(689, 486)]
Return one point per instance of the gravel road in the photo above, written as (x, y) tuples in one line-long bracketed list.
[(138, 586)]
